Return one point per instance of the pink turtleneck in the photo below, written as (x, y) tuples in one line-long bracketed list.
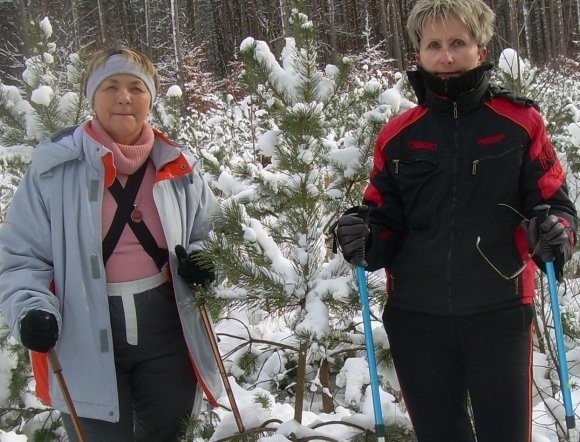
[(130, 261)]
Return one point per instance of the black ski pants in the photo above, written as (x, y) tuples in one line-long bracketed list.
[(155, 377), (446, 363)]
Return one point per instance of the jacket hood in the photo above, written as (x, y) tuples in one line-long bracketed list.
[(61, 147)]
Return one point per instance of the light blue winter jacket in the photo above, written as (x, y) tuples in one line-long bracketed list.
[(51, 259)]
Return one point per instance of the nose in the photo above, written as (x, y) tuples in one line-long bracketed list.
[(123, 96), (446, 56)]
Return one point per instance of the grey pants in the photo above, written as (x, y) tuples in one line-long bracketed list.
[(155, 378)]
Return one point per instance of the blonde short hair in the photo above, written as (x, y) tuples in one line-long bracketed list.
[(475, 14)]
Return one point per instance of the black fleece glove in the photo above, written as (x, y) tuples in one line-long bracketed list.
[(352, 231), (38, 331), (191, 268)]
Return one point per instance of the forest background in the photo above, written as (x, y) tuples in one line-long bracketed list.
[(284, 124), (208, 33)]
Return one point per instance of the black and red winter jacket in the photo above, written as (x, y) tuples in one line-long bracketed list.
[(450, 171)]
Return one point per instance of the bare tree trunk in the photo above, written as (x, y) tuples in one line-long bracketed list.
[(300, 381), (23, 19), (562, 42), (285, 14), (332, 30), (75, 25), (384, 26), (552, 27), (513, 25), (527, 28), (547, 33), (397, 32), (327, 402), (147, 28), (177, 41), (102, 26)]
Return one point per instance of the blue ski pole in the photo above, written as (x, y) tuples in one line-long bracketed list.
[(360, 264), (559, 333)]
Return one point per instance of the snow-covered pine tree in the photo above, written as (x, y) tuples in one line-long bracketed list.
[(315, 134), (48, 97), (555, 89), (558, 95)]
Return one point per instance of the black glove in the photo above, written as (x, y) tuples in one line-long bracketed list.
[(38, 331), (549, 240), (352, 232), (192, 269)]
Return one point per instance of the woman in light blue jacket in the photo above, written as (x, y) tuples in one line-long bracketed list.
[(87, 264)]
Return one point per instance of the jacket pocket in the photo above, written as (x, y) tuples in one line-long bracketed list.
[(417, 180)]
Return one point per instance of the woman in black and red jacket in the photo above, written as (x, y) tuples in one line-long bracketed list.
[(453, 212)]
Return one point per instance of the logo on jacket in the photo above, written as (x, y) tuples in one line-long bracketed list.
[(493, 139), (422, 145), (550, 162)]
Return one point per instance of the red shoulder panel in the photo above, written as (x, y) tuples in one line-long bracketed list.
[(541, 150)]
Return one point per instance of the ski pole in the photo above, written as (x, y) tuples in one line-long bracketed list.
[(360, 264), (559, 333), (57, 370), (216, 353)]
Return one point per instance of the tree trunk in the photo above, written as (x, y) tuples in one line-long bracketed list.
[(285, 15), (527, 28), (102, 26), (75, 25), (384, 26), (547, 34), (397, 32), (513, 40), (177, 41), (147, 28), (23, 19), (300, 381), (327, 402), (332, 30)]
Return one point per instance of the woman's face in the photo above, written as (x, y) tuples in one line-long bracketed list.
[(448, 49), (121, 104)]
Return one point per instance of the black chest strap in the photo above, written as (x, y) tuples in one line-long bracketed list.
[(125, 198)]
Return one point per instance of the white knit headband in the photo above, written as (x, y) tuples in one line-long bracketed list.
[(118, 64)]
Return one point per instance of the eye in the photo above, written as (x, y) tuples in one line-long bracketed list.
[(458, 43), (432, 45)]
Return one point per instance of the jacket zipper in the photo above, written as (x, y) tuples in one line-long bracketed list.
[(475, 163), (453, 202)]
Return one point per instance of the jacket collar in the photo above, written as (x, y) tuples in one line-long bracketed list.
[(77, 143), (458, 95)]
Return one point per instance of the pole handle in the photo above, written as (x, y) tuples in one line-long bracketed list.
[(359, 259), (542, 211)]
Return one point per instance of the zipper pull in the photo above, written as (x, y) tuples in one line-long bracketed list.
[(455, 112), (474, 167), (396, 163)]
